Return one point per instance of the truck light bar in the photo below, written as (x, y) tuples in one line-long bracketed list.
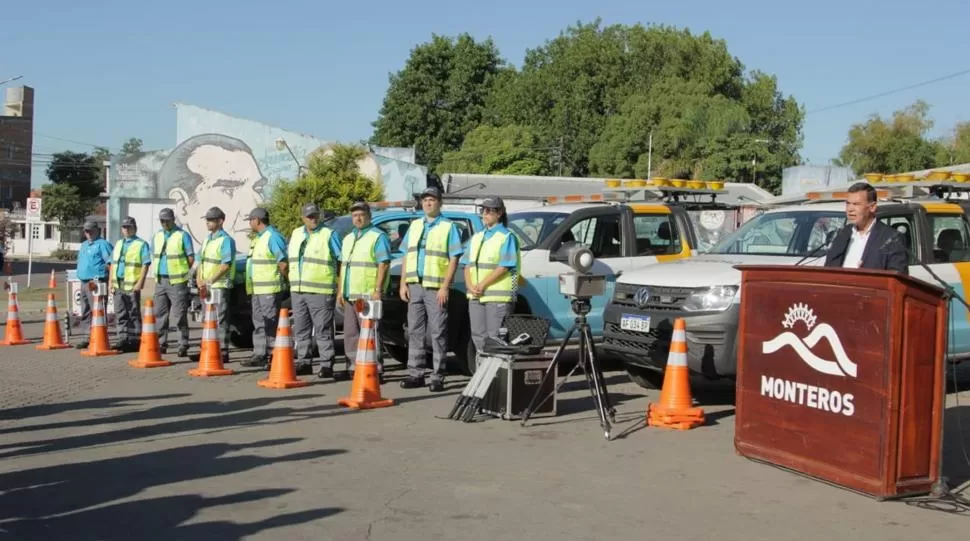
[(841, 195)]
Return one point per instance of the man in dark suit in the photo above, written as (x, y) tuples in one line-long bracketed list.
[(867, 243)]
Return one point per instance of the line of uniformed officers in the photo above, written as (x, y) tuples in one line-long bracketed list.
[(320, 271)]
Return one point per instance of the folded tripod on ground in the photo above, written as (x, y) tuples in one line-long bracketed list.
[(528, 337)]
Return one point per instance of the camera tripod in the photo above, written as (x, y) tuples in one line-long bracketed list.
[(588, 362)]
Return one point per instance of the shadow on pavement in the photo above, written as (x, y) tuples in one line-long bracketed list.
[(34, 503), (215, 423), (181, 409), (41, 410)]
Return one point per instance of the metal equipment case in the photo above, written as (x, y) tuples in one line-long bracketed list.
[(516, 383)]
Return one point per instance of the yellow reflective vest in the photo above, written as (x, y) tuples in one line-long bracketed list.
[(176, 260), (436, 251), (133, 264), (484, 258), (360, 266), (263, 276), (211, 256), (313, 269)]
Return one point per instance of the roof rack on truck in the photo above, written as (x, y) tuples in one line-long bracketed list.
[(691, 194)]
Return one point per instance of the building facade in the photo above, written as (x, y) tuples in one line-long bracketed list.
[(16, 146)]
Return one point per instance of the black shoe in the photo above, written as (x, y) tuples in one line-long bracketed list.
[(325, 372), (304, 367), (163, 349), (380, 378), (341, 375), (255, 360), (412, 383), (436, 386), (81, 345), (184, 351)]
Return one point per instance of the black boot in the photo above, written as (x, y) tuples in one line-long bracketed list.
[(411, 382)]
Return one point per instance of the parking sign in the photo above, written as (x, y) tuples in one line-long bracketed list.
[(33, 207)]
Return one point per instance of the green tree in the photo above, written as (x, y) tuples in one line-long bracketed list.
[(438, 97), (332, 180), (955, 148), (689, 124), (79, 170), (64, 203), (505, 150), (892, 146), (131, 146), (603, 90)]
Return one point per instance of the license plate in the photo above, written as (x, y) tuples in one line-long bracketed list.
[(629, 322)]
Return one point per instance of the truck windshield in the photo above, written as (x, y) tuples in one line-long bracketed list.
[(787, 233), (533, 227)]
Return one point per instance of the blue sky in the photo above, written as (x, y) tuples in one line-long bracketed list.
[(108, 70)]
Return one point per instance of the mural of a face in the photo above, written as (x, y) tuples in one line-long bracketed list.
[(213, 170)]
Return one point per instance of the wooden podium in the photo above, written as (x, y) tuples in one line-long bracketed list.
[(841, 376)]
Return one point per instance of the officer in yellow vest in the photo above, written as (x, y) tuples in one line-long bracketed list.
[(129, 268), (217, 270), (173, 259), (266, 282), (313, 254), (433, 246), (366, 256), (492, 264)]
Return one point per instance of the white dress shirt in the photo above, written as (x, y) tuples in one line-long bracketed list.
[(857, 246)]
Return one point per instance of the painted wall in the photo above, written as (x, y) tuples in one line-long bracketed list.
[(232, 163)]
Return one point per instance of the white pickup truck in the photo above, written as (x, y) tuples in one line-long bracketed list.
[(704, 290)]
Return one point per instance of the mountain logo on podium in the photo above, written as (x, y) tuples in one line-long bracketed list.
[(800, 312)]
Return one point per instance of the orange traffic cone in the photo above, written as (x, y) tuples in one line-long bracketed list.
[(52, 283), (282, 372), (14, 335), (52, 328), (674, 409), (98, 340), (365, 392), (149, 355), (210, 355)]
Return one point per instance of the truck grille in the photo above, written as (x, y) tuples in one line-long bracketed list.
[(660, 297)]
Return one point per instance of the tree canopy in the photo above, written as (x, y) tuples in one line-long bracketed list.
[(438, 97), (901, 143), (588, 101), (332, 180)]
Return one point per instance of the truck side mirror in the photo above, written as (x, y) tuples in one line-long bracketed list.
[(561, 254)]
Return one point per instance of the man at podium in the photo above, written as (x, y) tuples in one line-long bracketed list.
[(866, 243)]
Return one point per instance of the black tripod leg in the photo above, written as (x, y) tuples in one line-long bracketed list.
[(598, 374), (594, 379), (550, 370)]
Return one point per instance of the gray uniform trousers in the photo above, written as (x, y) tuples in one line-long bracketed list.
[(266, 318), (352, 334), (128, 315), (171, 298), (314, 312), (486, 319), (425, 315), (87, 301), (222, 317)]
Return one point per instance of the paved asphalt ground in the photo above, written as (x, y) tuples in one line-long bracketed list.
[(91, 449)]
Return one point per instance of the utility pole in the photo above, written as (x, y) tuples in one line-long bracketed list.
[(650, 156), (560, 155)]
